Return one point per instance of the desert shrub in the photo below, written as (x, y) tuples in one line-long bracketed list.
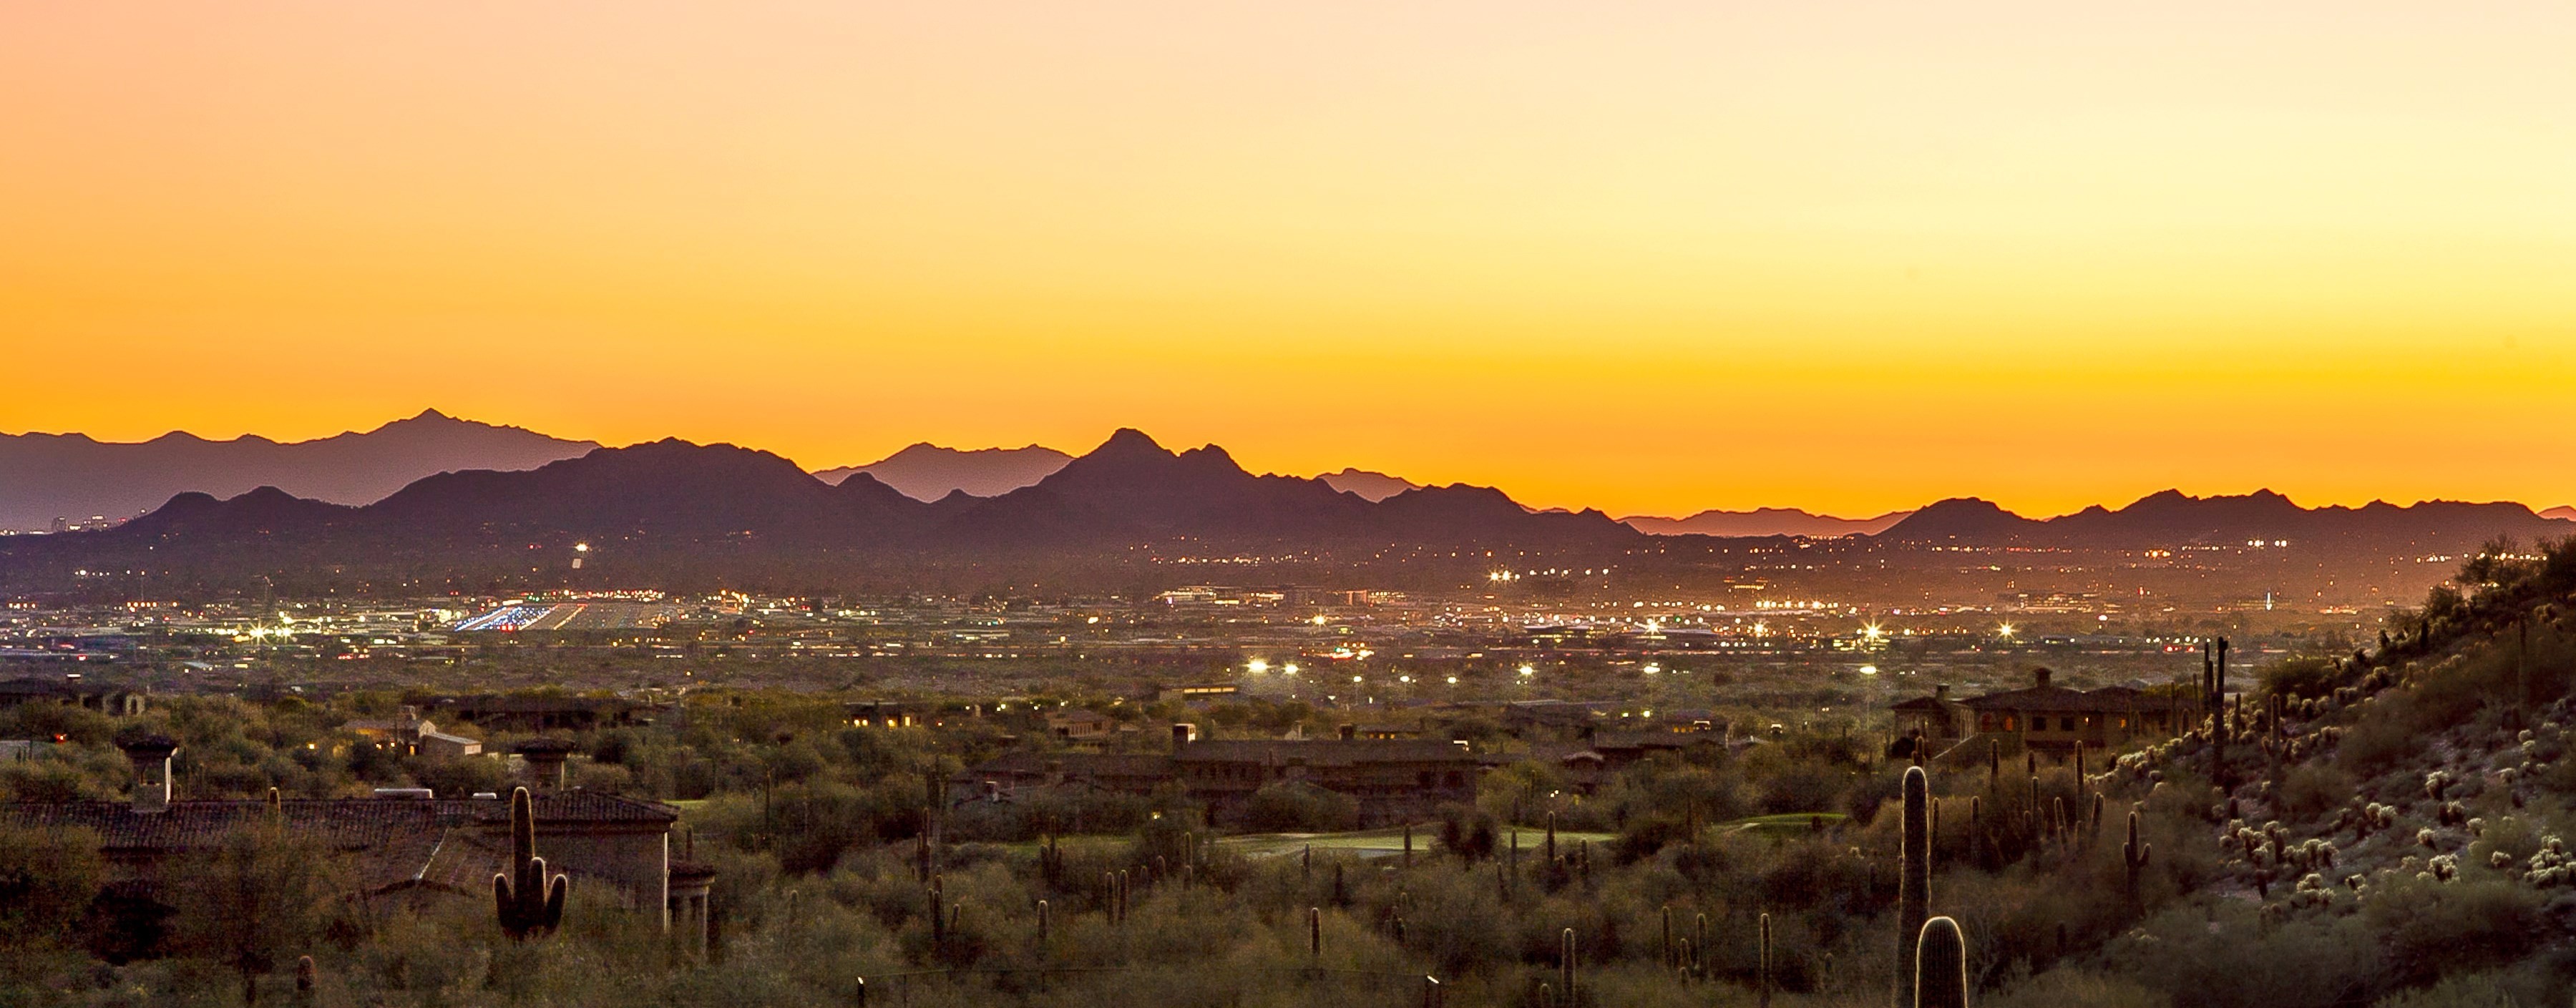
[(2076, 987), (1299, 807), (2375, 745), (2432, 928), (2299, 678), (2310, 790), (1467, 831), (2474, 990), (2223, 957), (47, 879)]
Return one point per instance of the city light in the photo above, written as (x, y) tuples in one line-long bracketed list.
[(1288, 669), (1528, 671), (1257, 666), (2005, 631)]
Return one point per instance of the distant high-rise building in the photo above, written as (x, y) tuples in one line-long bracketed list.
[(61, 525)]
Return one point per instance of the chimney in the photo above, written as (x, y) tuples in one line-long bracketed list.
[(545, 761), (1941, 692), (1183, 733), (151, 755), (1350, 731), (2041, 675)]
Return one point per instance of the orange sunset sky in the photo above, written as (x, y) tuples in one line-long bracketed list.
[(1647, 256)]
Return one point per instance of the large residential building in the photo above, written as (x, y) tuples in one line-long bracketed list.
[(2043, 717), (403, 843)]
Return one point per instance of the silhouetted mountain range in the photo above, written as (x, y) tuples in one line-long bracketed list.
[(2172, 519), (928, 472), (1376, 486), (1765, 522), (71, 476), (653, 508)]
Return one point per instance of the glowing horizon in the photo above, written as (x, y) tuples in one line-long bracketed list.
[(1850, 256)]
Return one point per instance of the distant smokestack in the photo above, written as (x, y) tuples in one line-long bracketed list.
[(151, 755)]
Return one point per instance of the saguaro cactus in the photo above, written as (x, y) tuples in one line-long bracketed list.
[(2133, 854), (1565, 964), (1914, 877), (1699, 946), (1762, 964), (532, 906), (2218, 720), (1941, 973)]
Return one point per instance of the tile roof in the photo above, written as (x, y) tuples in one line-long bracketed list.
[(1325, 752)]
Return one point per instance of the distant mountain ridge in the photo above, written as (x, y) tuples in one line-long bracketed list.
[(2171, 518), (1765, 522), (1375, 486), (653, 509), (72, 476), (928, 472)]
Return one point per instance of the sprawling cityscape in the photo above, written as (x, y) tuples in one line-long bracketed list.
[(1320, 505)]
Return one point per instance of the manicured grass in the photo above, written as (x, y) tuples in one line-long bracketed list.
[(1793, 822), (1383, 842)]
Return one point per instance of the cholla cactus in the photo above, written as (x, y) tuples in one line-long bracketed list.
[(2424, 837), (2550, 866), (2444, 867), (2437, 782)]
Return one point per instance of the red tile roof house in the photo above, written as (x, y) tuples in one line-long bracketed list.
[(399, 843), (2043, 717)]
